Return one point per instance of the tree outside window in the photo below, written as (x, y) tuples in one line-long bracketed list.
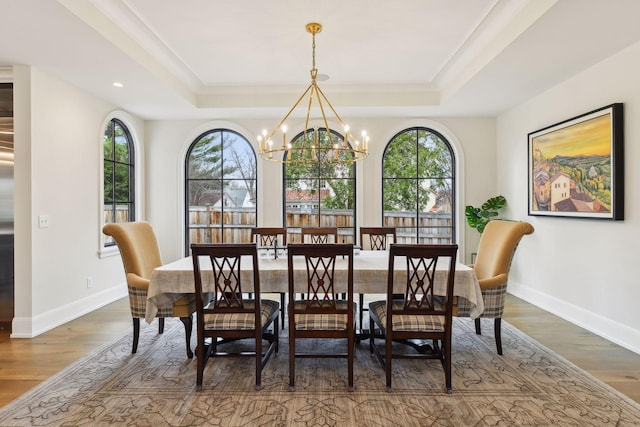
[(418, 187), (221, 189), (320, 194)]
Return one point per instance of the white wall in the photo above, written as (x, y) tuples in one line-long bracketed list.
[(581, 270), (472, 138), (57, 173)]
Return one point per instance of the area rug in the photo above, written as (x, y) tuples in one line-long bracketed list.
[(528, 386)]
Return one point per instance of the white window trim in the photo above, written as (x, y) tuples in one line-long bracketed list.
[(127, 119)]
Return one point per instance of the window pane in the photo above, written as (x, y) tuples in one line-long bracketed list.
[(400, 195), (338, 194), (239, 207), (108, 183), (107, 142), (121, 145), (400, 157), (122, 183), (205, 235), (205, 204), (205, 160)]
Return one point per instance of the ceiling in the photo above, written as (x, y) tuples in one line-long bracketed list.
[(251, 58)]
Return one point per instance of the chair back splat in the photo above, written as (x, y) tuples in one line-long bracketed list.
[(268, 237), (379, 237), (318, 313), (140, 254), (228, 316), (425, 311), (319, 235)]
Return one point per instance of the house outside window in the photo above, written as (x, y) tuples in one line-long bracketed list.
[(220, 188), (118, 178), (418, 187)]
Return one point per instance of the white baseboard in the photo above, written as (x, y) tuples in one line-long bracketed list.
[(29, 327), (611, 330)]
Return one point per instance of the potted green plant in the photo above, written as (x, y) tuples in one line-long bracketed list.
[(478, 218)]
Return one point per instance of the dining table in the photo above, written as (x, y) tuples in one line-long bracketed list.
[(172, 281)]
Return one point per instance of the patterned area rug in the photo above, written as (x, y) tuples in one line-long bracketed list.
[(529, 385)]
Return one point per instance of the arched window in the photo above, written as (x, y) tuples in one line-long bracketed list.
[(418, 187), (119, 163), (320, 194), (221, 189)]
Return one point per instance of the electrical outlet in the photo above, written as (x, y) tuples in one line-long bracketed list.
[(43, 221), (89, 282)]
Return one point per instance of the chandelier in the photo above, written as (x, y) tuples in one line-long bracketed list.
[(318, 143)]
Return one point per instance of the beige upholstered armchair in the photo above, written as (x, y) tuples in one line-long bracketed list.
[(497, 245), (140, 255)]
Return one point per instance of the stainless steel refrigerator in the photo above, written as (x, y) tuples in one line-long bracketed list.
[(6, 207)]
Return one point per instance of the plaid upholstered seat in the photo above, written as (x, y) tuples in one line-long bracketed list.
[(421, 314), (496, 248), (241, 321), (407, 322), (320, 314), (319, 321)]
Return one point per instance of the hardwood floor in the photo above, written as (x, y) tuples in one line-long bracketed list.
[(24, 363)]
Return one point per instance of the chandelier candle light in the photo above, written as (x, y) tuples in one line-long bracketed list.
[(318, 143)]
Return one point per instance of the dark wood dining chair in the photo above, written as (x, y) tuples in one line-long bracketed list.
[(319, 234), (422, 313), (379, 240), (229, 316), (321, 315), (267, 238)]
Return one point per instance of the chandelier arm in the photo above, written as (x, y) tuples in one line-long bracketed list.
[(335, 113), (273, 132), (312, 86), (324, 117)]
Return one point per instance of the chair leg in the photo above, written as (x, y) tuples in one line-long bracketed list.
[(388, 357), (350, 356), (188, 327), (282, 296), (447, 364), (478, 332), (292, 357), (160, 325), (136, 334), (497, 326), (259, 357), (361, 301), (371, 335)]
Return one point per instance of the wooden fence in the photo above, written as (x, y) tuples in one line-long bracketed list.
[(205, 225)]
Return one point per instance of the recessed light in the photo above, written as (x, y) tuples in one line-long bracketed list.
[(118, 84)]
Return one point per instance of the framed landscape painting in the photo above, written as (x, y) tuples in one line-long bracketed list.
[(576, 167)]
